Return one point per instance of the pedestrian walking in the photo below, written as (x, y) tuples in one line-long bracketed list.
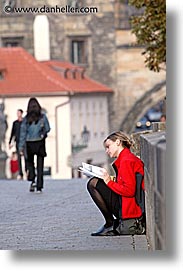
[(15, 137), (33, 134), (14, 167), (121, 200)]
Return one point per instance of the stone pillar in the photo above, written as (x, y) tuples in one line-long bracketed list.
[(3, 128), (3, 158)]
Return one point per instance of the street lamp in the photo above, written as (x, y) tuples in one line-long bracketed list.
[(85, 135), (83, 142)]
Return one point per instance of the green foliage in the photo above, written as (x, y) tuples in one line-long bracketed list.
[(150, 30)]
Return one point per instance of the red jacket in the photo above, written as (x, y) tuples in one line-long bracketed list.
[(126, 167)]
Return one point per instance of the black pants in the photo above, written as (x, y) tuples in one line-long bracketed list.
[(111, 198), (109, 204), (36, 148), (20, 162)]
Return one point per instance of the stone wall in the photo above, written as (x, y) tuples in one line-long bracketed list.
[(153, 151)]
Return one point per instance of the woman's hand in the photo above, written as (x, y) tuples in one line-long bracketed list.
[(21, 153), (106, 177)]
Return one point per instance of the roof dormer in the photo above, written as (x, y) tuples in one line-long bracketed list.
[(68, 71)]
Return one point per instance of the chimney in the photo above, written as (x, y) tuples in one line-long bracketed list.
[(41, 38)]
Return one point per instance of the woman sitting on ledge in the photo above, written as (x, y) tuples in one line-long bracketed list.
[(118, 200)]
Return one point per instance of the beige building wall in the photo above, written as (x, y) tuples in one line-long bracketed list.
[(90, 111), (133, 78), (62, 137)]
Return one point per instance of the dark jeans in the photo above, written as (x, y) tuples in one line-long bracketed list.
[(36, 148)]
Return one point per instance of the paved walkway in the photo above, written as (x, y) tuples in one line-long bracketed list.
[(61, 218)]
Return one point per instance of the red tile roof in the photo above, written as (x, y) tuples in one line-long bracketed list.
[(23, 74)]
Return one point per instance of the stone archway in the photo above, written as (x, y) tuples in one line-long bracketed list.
[(149, 99)]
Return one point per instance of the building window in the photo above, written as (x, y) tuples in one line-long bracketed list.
[(78, 51), (75, 3), (124, 12), (12, 41), (9, 3)]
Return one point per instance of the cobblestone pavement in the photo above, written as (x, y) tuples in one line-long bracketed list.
[(61, 218)]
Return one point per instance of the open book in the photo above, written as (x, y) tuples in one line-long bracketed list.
[(91, 170)]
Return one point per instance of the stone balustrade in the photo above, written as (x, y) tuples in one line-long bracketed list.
[(152, 153)]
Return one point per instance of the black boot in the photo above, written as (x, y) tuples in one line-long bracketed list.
[(32, 187)]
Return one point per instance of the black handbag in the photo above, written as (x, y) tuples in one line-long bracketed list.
[(129, 226), (135, 226)]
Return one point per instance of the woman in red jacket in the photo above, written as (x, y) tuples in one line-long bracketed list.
[(119, 198)]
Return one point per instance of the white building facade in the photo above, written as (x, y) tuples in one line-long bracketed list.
[(89, 127)]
